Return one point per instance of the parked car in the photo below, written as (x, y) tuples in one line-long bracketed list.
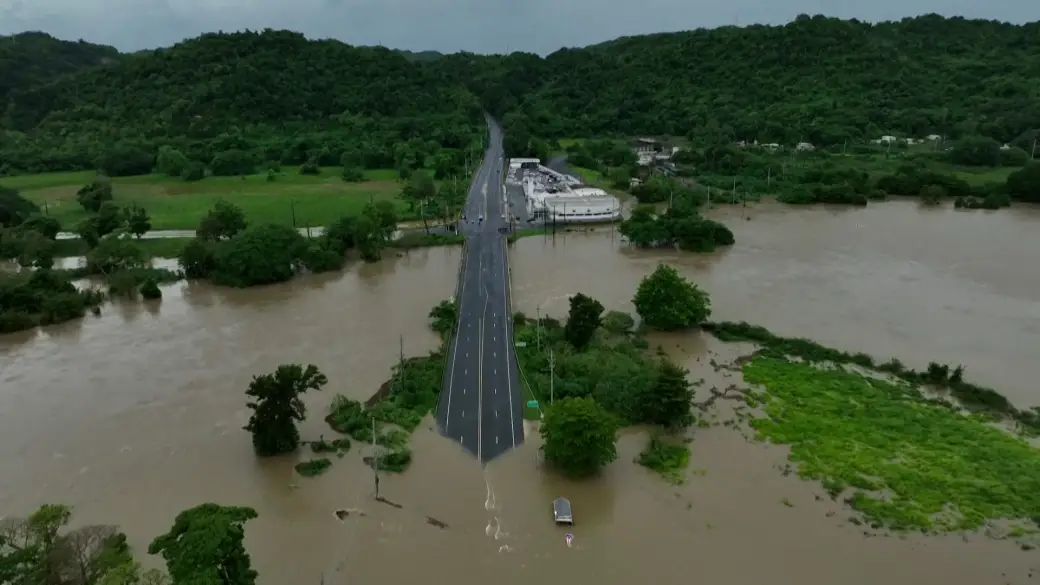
[(561, 508)]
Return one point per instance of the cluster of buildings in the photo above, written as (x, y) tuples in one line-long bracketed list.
[(649, 151), (555, 197)]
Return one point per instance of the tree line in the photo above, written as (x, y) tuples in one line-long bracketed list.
[(203, 546), (227, 250)]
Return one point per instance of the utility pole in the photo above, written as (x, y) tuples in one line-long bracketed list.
[(552, 375), (538, 327), (769, 177), (375, 456), (400, 367), (1032, 154)]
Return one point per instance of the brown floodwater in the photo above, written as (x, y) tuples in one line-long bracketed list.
[(136, 415)]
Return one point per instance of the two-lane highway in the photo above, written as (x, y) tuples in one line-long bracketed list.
[(481, 403)]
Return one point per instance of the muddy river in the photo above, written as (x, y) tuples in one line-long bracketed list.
[(136, 415)]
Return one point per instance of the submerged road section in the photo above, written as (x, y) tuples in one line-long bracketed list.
[(481, 404)]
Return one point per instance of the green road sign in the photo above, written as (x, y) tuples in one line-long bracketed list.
[(532, 404)]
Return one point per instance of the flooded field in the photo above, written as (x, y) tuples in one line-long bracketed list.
[(136, 415)]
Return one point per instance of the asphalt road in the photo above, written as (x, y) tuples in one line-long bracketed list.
[(481, 405)]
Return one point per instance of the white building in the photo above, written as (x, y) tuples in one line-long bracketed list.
[(559, 200), (524, 163)]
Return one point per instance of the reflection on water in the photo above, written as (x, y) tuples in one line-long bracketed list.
[(137, 414)]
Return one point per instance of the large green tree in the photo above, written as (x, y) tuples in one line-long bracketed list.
[(205, 546), (667, 301), (222, 222), (261, 254), (41, 549), (669, 399), (583, 320), (579, 436), (277, 407), (93, 194)]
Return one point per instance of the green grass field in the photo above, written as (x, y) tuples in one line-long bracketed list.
[(174, 204), (903, 462)]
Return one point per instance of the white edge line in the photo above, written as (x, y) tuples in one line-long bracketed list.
[(506, 341), (480, 383), (455, 351), (458, 326)]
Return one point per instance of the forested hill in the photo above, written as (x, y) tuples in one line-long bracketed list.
[(818, 79), (275, 93), (420, 56), (263, 92), (32, 58)]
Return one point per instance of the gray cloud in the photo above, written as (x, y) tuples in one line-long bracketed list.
[(451, 25)]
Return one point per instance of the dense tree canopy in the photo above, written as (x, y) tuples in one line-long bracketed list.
[(205, 546), (277, 406), (34, 58), (579, 436), (584, 318), (234, 101), (43, 549), (817, 79), (276, 96), (668, 301)]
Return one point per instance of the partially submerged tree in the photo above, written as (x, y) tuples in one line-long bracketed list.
[(40, 550), (668, 401), (579, 436), (261, 254), (667, 301), (204, 546), (278, 406)]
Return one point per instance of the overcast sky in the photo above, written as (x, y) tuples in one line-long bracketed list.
[(482, 26)]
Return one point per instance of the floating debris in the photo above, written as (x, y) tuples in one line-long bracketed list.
[(383, 500), (435, 522), (343, 513)]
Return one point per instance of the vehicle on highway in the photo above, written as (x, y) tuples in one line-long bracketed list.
[(562, 511), (481, 217)]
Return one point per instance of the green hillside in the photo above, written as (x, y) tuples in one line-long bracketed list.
[(819, 80), (275, 95), (282, 97), (33, 58)]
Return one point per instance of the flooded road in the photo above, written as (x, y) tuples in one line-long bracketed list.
[(136, 415)]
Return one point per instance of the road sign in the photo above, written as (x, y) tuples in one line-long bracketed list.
[(532, 404)]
